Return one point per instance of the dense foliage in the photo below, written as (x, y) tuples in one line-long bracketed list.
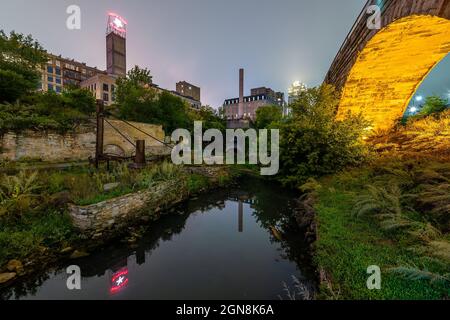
[(48, 111), (433, 105), (20, 59), (314, 143), (267, 115)]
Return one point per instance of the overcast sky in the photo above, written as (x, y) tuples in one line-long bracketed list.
[(204, 42)]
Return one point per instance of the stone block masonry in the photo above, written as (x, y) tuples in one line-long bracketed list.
[(78, 144), (116, 213)]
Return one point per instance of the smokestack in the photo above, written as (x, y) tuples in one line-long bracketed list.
[(241, 93)]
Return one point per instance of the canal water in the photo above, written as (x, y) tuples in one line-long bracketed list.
[(229, 244)]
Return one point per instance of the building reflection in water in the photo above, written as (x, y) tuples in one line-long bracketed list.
[(241, 215)]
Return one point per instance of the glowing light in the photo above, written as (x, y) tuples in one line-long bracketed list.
[(119, 280), (419, 98), (413, 110), (118, 23)]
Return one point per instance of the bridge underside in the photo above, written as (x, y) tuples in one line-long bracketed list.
[(392, 66)]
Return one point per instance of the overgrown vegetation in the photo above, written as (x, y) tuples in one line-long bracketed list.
[(268, 116), (20, 59), (393, 213), (313, 143)]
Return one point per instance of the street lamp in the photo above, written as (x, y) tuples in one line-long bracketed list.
[(413, 110)]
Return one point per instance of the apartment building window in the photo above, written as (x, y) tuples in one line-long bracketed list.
[(50, 69), (113, 88), (58, 80), (50, 87), (58, 89), (105, 87), (105, 97), (50, 79), (58, 71)]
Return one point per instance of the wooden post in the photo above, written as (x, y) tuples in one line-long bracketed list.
[(140, 153), (100, 132)]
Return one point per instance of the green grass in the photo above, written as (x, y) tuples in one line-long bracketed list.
[(19, 239), (96, 198), (196, 182), (347, 246)]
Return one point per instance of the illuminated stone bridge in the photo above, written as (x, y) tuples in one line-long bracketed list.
[(379, 70)]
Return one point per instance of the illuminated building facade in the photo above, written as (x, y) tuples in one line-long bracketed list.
[(295, 90)]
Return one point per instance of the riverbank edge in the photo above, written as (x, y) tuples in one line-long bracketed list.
[(46, 258), (306, 217)]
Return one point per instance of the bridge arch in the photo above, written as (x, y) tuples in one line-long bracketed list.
[(419, 24), (392, 65)]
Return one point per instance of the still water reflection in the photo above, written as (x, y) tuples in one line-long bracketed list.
[(234, 244)]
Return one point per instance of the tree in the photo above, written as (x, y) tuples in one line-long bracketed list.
[(268, 114), (79, 99), (134, 85), (314, 143), (21, 58), (433, 104), (210, 118)]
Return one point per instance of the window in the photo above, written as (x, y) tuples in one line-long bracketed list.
[(105, 97), (50, 79), (50, 87), (58, 89), (58, 80), (50, 69), (105, 87), (113, 88), (58, 71)]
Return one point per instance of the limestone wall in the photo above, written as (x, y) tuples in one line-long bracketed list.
[(115, 213), (78, 144)]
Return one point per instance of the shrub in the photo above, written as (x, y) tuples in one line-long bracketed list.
[(18, 193), (314, 143)]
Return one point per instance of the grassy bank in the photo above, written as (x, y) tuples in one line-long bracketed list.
[(392, 213)]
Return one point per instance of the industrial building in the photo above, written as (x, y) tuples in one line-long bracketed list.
[(243, 109)]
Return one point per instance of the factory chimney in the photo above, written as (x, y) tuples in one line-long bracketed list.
[(241, 94)]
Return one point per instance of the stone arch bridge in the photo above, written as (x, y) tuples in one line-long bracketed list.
[(379, 70)]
